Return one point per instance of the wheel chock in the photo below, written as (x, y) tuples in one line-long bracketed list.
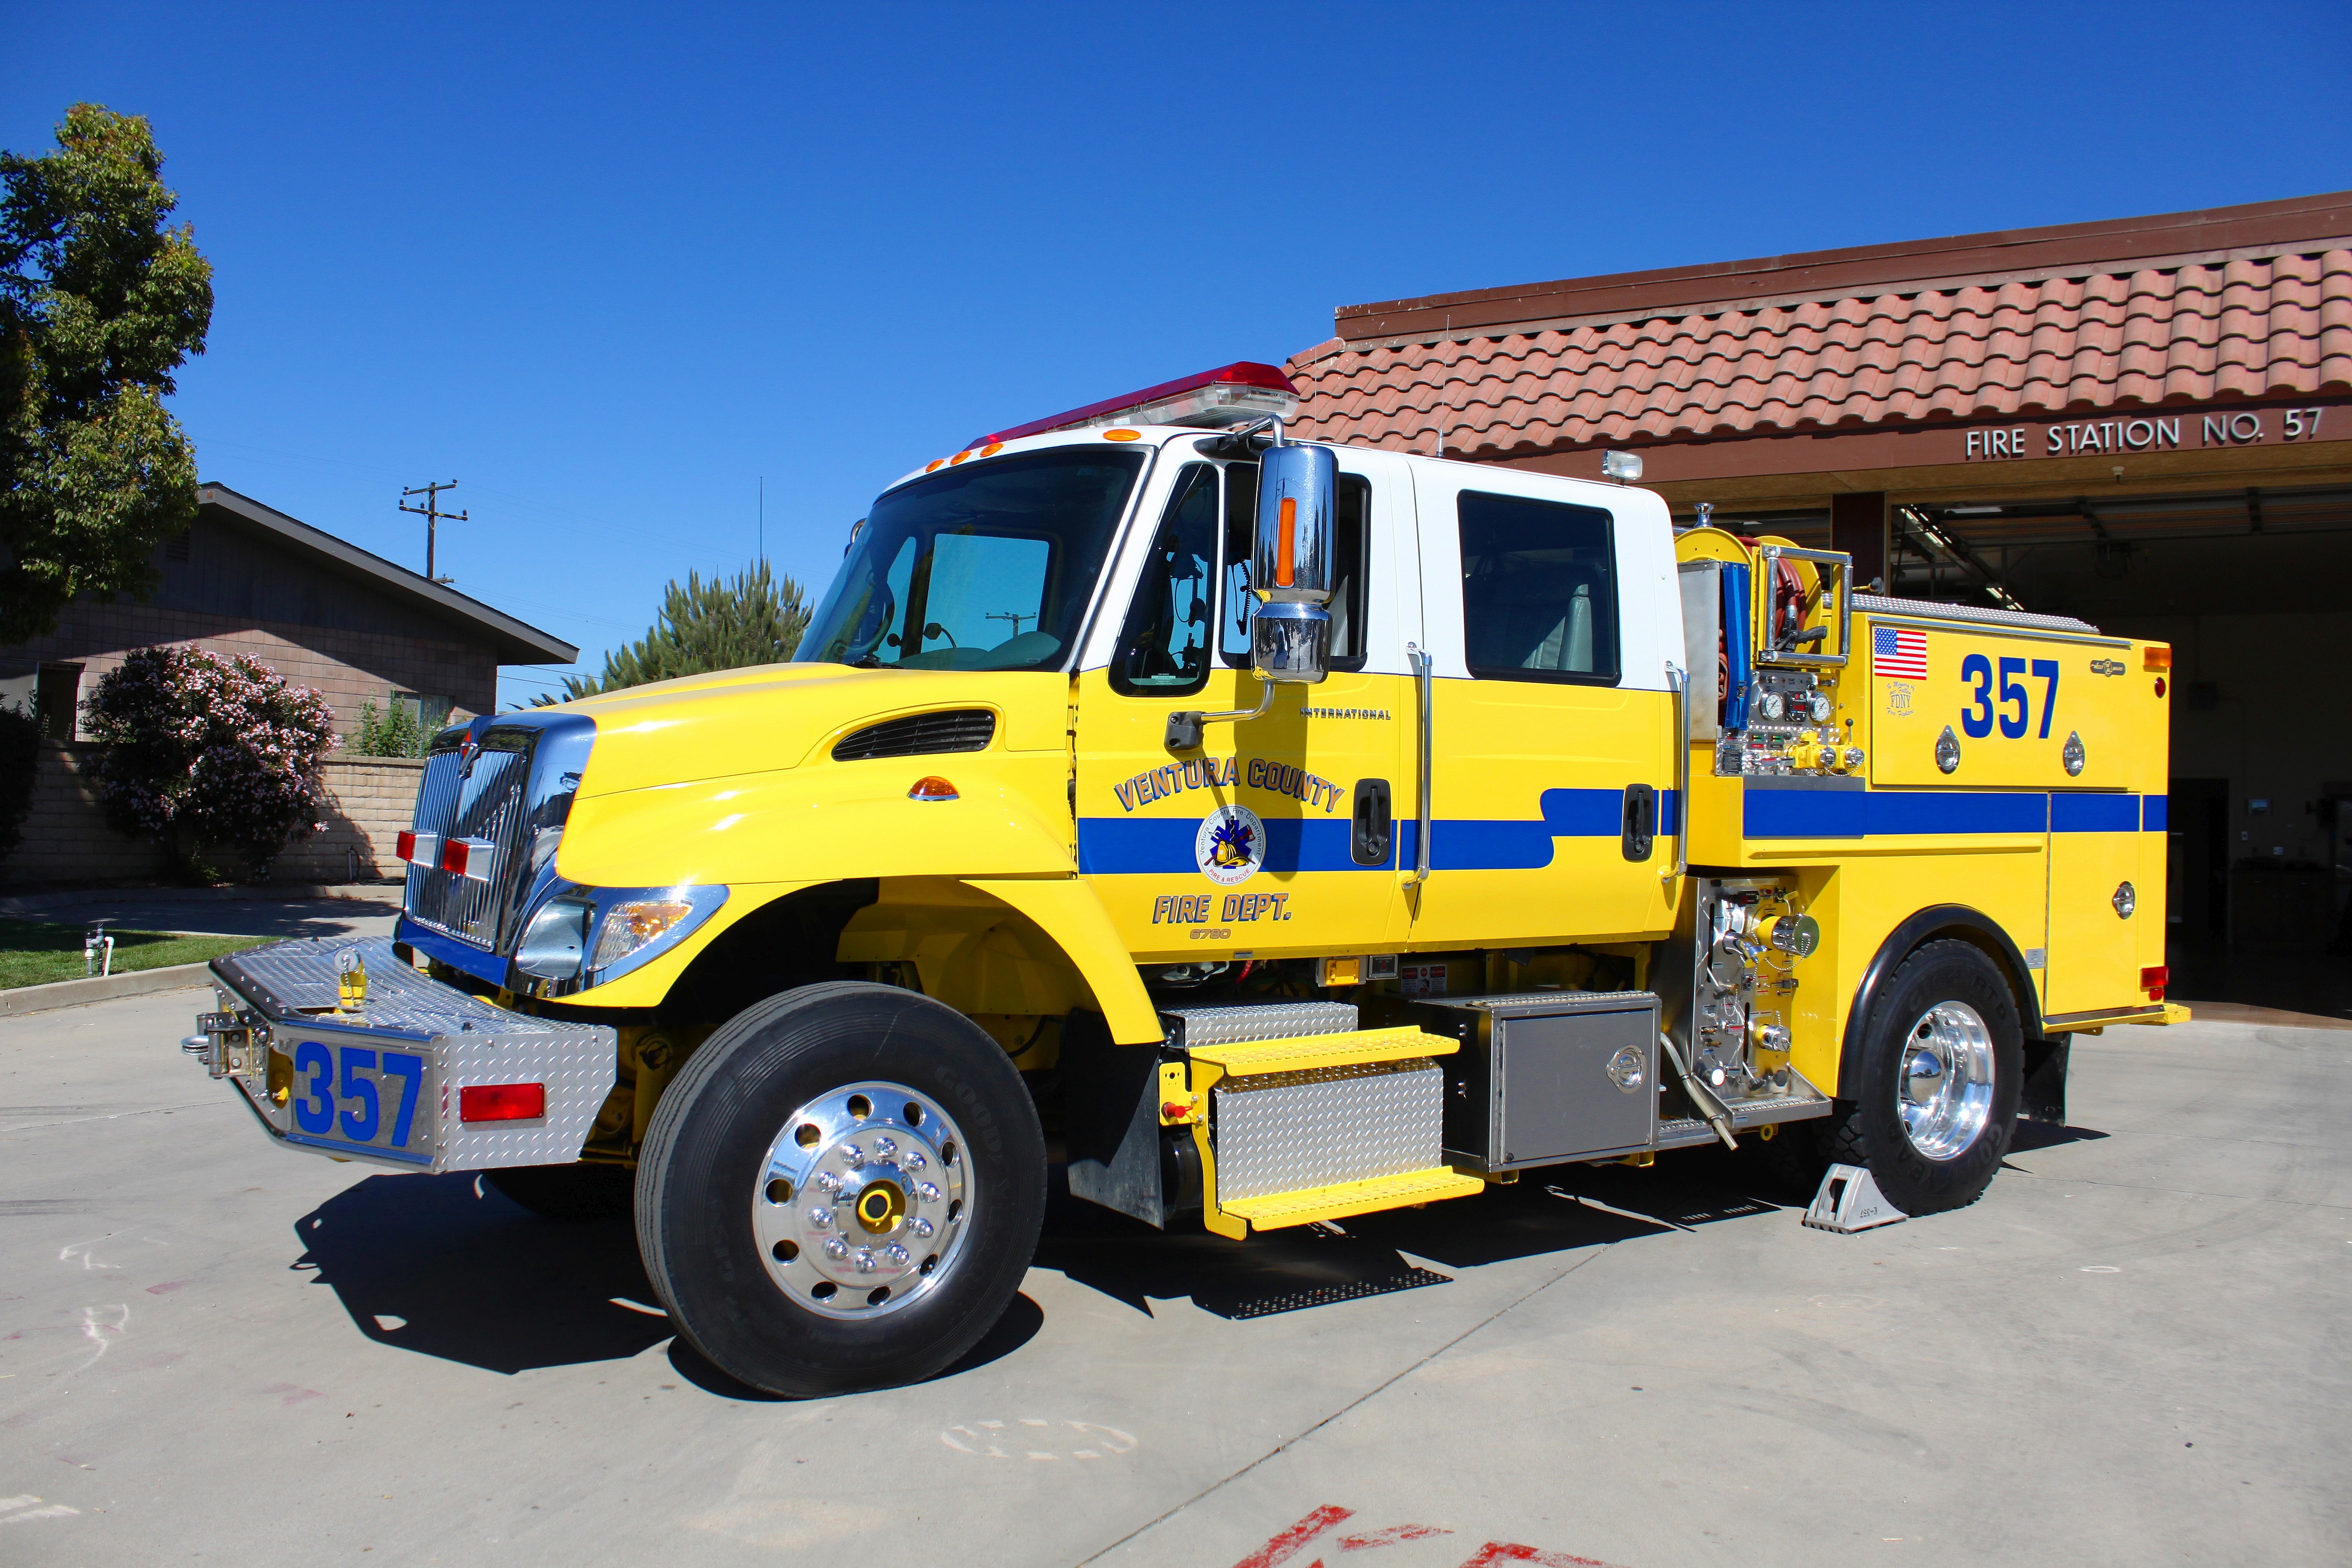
[(1850, 1200)]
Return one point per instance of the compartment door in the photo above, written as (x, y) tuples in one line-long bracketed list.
[(2093, 961)]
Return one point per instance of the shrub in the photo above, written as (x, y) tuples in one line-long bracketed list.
[(399, 734), (20, 755), (202, 750)]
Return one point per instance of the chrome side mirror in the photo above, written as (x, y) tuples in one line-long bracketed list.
[(1290, 574), (1290, 564)]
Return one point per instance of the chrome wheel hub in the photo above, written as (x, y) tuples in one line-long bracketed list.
[(1945, 1091), (862, 1204)]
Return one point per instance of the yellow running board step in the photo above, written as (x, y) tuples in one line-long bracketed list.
[(1306, 1053), (1344, 1198)]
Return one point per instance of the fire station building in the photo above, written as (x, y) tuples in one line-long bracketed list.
[(2146, 423)]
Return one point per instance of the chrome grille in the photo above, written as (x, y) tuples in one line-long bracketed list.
[(483, 801)]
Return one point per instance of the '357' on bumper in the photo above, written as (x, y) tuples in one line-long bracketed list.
[(421, 1076)]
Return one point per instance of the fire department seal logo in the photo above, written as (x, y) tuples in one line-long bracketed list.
[(1230, 845)]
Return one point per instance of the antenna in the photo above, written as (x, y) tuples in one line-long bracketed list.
[(434, 517)]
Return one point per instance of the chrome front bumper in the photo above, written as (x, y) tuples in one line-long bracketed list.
[(387, 1085)]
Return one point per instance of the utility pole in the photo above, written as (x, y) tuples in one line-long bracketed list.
[(433, 515)]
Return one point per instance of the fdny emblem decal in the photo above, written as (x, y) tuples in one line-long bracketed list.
[(1230, 845)]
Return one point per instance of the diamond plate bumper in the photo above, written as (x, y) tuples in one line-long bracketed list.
[(275, 1001)]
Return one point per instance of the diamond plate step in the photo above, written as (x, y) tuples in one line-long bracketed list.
[(1279, 1209), (1306, 1053)]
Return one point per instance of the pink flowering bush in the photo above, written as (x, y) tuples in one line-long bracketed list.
[(206, 750)]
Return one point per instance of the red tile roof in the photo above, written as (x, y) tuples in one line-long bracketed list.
[(1856, 339)]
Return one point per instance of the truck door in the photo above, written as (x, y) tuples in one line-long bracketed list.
[(1551, 614), (1278, 834)]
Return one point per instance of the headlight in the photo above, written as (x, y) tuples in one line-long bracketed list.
[(556, 939), (631, 925)]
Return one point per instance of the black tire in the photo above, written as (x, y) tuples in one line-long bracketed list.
[(567, 1192), (1869, 1129), (704, 1156)]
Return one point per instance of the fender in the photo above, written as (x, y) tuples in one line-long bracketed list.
[(1070, 912), (1939, 919)]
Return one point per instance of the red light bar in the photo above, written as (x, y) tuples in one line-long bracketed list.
[(418, 848), (1244, 373), (468, 857), (503, 1102)]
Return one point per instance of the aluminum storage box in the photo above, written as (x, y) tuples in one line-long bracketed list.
[(1547, 1077)]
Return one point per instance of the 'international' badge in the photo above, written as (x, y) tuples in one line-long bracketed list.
[(1230, 845)]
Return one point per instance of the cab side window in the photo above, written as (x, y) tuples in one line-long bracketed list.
[(1352, 512), (1538, 590), (1164, 647)]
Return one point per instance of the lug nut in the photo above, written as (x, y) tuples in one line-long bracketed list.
[(884, 1148), (928, 1193), (820, 1219)]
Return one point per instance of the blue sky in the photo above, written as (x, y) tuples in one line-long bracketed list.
[(610, 266)]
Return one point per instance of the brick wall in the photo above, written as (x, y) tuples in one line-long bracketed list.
[(66, 840)]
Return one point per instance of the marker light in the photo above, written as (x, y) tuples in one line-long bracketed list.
[(935, 465), (1122, 435), (468, 857), (1286, 543), (503, 1102), (933, 787), (991, 449), (1625, 467), (418, 848), (1212, 400), (630, 926), (2154, 979), (2155, 658), (959, 457)]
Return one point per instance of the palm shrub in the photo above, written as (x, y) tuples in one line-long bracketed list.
[(203, 750)]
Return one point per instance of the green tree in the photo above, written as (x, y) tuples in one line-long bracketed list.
[(100, 303), (753, 619)]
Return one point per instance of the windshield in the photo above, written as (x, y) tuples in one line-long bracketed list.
[(985, 567)]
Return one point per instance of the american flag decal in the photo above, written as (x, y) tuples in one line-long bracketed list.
[(1898, 654)]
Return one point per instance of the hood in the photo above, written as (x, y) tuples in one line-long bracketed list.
[(774, 716)]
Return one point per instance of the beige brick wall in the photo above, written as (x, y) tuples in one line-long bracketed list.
[(66, 840)]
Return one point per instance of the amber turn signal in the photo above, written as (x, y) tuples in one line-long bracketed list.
[(2155, 658), (933, 787)]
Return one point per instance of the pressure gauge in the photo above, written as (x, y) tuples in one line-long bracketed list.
[(1772, 706), (1817, 708)]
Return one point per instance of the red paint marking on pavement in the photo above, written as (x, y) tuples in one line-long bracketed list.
[(1287, 1546), (167, 1290), (1499, 1551), (1390, 1537)]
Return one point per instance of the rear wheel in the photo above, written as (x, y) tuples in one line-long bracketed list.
[(841, 1189), (1943, 1060)]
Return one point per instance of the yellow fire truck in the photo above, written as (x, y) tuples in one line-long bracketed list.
[(1261, 832)]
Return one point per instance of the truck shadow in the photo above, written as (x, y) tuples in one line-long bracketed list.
[(1551, 1211), (445, 1266)]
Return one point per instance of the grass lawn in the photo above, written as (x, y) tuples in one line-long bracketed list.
[(33, 953)]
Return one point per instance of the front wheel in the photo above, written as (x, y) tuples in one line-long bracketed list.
[(841, 1189), (1943, 1060)]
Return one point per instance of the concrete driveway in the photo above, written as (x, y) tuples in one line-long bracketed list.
[(2132, 1350)]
